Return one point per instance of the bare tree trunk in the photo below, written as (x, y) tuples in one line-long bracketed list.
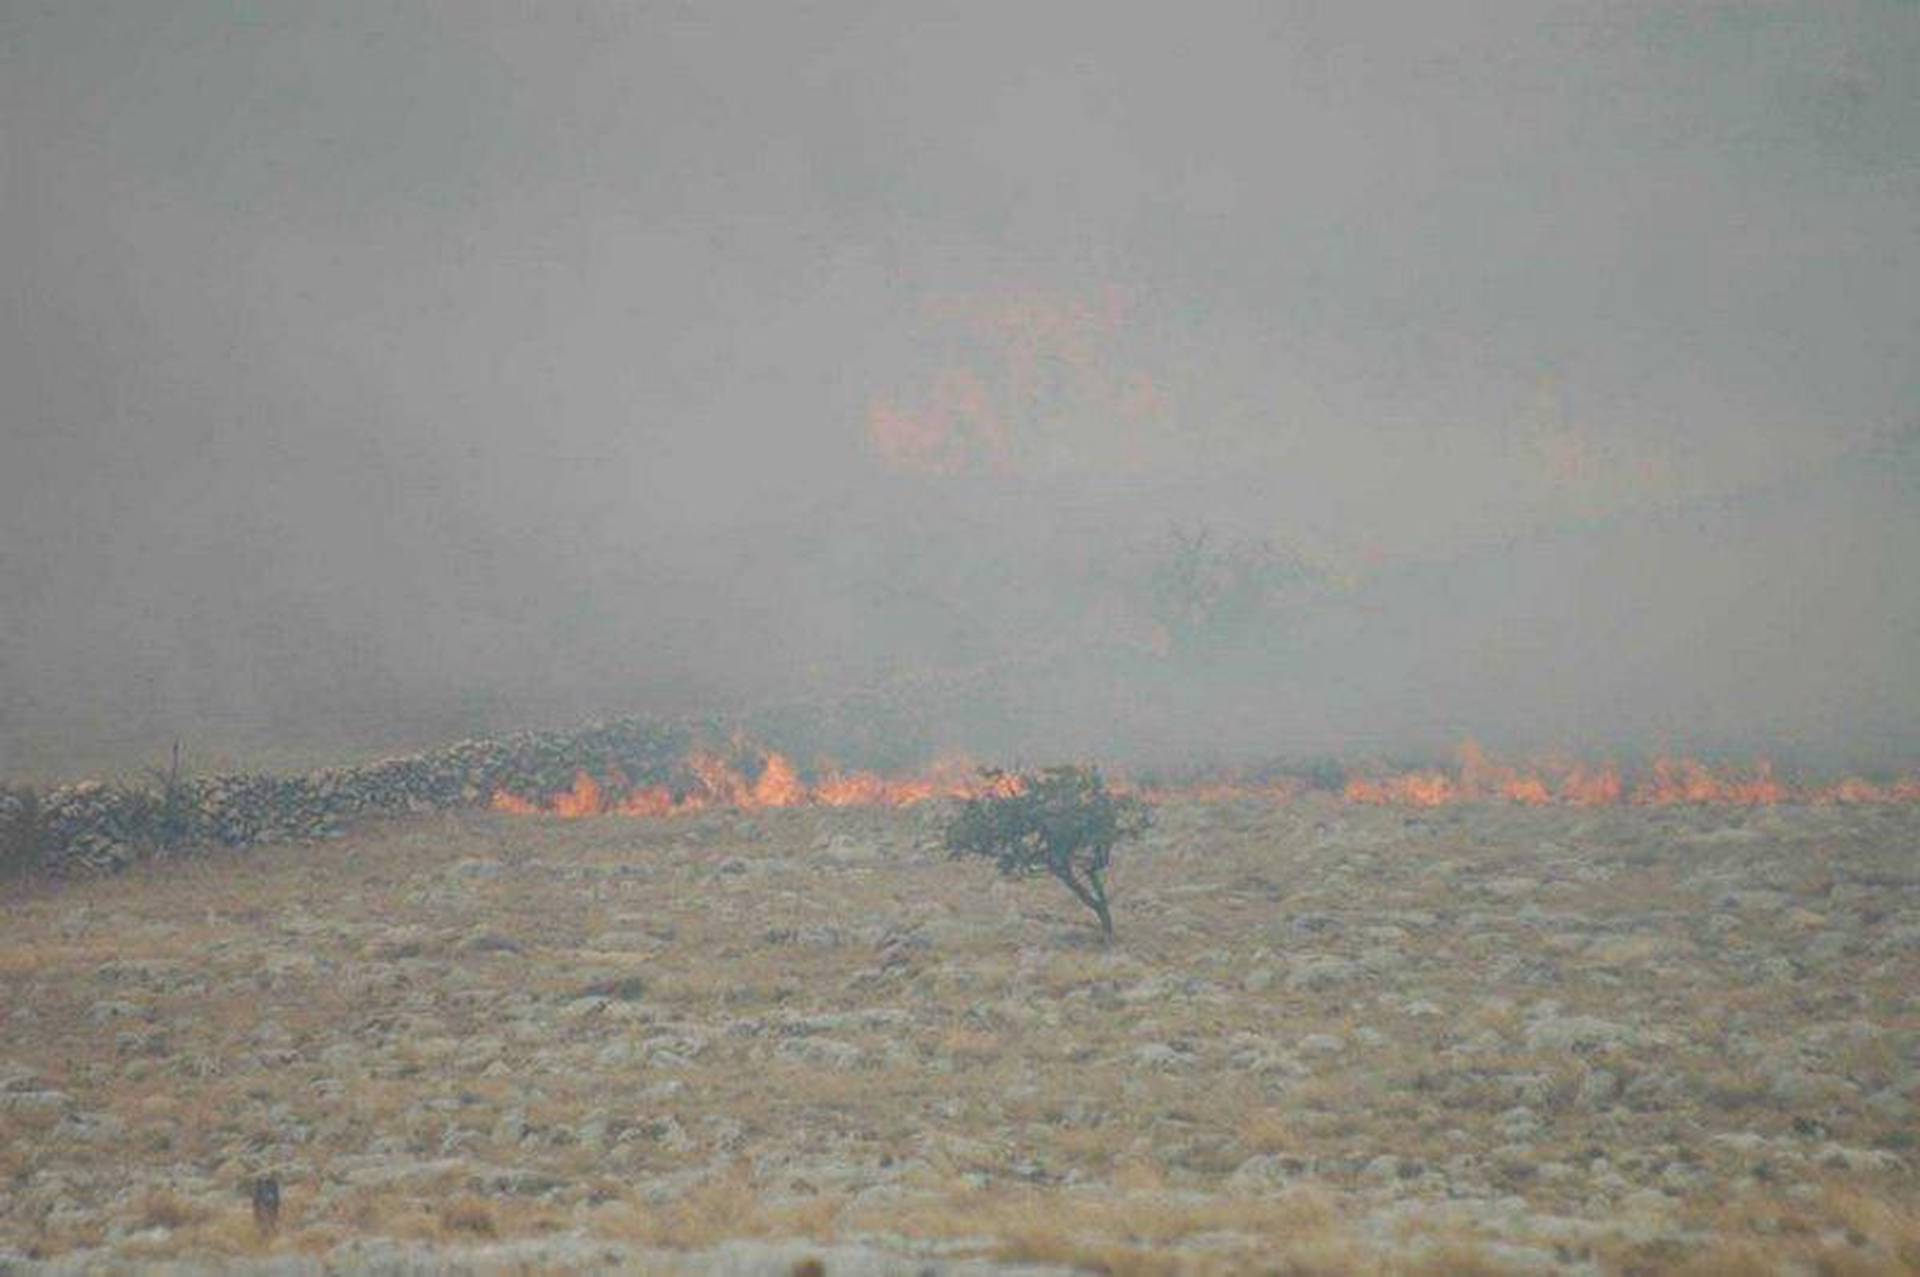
[(1099, 885), (1094, 897)]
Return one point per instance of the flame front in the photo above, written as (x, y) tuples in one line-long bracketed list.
[(514, 805), (716, 784)]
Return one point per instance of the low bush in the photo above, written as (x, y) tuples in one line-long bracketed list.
[(1061, 823), (22, 831)]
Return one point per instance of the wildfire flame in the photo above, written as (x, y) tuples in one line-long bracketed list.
[(1024, 367), (718, 784)]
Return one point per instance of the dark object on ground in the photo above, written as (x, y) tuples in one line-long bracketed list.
[(1063, 822), (266, 1203)]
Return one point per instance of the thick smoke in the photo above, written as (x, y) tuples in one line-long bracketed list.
[(1542, 373)]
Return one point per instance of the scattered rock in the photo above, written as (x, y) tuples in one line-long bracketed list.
[(1262, 1173), (1319, 974), (1580, 1033), (1161, 1057)]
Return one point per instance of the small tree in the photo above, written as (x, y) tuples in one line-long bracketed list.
[(1205, 595), (1063, 822), (22, 831), (160, 816)]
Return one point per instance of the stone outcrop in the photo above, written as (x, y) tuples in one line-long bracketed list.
[(93, 827)]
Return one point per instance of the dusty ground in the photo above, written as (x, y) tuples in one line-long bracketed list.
[(1329, 1040)]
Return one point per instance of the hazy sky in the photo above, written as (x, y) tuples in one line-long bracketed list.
[(397, 357)]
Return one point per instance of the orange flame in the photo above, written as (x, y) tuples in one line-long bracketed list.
[(779, 785), (718, 784), (514, 805), (856, 789), (1023, 367), (1475, 778), (1682, 780), (1412, 789), (1584, 786), (656, 800), (1481, 777), (584, 799)]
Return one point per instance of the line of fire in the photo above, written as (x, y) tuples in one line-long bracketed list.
[(709, 781)]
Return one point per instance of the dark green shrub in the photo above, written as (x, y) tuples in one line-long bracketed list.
[(160, 817), (22, 831), (1322, 773), (1062, 823)]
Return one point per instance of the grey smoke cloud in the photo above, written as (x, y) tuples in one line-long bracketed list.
[(372, 370)]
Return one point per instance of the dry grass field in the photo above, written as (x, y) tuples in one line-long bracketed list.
[(1328, 1040)]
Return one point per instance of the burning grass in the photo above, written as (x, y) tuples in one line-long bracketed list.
[(748, 777)]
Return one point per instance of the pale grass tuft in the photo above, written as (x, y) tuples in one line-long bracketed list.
[(1296, 1235), (1731, 1259), (229, 1233), (1115, 1230), (725, 1207), (1888, 1230), (164, 1208), (1268, 1130), (469, 1215), (1449, 1258), (1139, 1175), (973, 1046)]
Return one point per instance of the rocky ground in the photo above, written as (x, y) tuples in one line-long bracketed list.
[(1328, 1039)]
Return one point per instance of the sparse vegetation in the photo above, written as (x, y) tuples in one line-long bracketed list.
[(1061, 823), (1338, 1042)]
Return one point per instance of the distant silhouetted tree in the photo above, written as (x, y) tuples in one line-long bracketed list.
[(1204, 595), (22, 830), (1062, 823), (159, 815)]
